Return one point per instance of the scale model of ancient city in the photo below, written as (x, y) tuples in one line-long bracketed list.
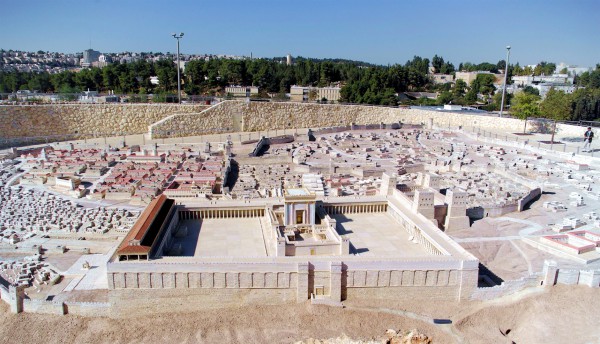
[(247, 202)]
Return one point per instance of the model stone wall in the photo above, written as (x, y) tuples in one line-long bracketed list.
[(84, 120), (223, 117), (169, 120), (125, 302), (230, 116), (442, 283), (185, 280)]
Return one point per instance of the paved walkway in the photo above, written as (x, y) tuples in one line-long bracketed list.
[(533, 141), (89, 279)]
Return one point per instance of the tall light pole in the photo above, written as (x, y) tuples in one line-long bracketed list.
[(505, 78), (178, 71)]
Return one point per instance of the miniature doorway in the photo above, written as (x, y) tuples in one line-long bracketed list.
[(299, 217), (319, 290)]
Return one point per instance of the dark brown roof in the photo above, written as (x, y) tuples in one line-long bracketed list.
[(140, 228)]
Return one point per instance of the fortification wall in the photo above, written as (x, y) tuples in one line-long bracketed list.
[(85, 120), (506, 288), (443, 278), (43, 306), (87, 309), (124, 302)]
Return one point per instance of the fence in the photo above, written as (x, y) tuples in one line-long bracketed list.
[(568, 145)]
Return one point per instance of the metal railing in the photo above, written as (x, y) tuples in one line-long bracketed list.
[(572, 147)]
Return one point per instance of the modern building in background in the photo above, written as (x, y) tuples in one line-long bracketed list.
[(530, 80), (308, 93), (103, 61), (90, 56), (469, 77), (241, 91), (543, 83), (438, 78)]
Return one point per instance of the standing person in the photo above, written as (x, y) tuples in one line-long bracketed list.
[(587, 138)]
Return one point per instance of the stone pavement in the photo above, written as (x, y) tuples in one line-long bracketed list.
[(89, 279), (377, 234)]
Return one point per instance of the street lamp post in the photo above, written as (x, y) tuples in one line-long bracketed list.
[(505, 78), (178, 71)]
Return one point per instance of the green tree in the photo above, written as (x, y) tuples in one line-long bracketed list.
[(471, 96), (110, 77), (447, 68), (437, 62), (531, 90), (545, 68), (556, 105), (586, 104), (444, 97), (458, 92), (524, 105), (484, 84)]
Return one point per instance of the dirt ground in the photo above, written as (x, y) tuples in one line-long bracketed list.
[(265, 324), (561, 314), (565, 314)]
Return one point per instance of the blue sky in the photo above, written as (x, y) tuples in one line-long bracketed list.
[(374, 31)]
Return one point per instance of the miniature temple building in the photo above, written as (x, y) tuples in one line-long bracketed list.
[(299, 207)]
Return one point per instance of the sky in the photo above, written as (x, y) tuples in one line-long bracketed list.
[(380, 32)]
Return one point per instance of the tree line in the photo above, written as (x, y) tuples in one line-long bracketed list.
[(362, 82)]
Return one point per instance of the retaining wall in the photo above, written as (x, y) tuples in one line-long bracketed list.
[(259, 116), (87, 120), (84, 120)]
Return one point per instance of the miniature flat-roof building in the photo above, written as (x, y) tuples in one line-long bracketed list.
[(241, 91)]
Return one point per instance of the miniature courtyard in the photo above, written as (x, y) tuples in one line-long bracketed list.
[(377, 234), (214, 238)]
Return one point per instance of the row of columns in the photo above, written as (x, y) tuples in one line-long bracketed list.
[(356, 208), (429, 247), (220, 213), (415, 232)]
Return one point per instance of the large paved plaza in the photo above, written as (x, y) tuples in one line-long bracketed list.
[(377, 234), (223, 237)]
